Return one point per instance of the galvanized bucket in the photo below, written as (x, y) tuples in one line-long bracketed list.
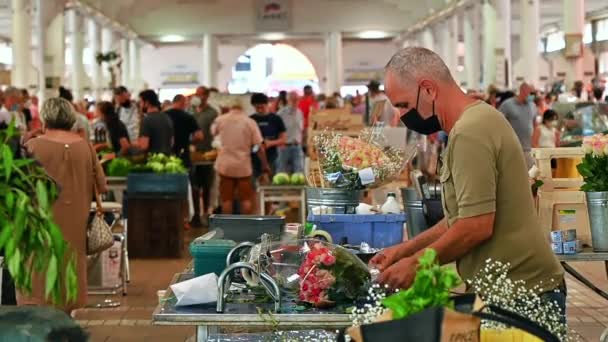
[(597, 205), (414, 208), (342, 201)]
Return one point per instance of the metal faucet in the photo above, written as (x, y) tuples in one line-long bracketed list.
[(237, 248), (225, 280)]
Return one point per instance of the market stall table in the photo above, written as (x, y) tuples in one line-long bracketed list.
[(586, 255), (244, 316), (283, 193)]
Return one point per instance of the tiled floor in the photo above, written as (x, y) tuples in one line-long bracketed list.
[(587, 312)]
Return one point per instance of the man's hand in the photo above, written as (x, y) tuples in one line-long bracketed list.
[(401, 275), (386, 258)]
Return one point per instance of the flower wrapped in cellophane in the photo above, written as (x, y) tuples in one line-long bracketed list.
[(313, 272), (359, 162)]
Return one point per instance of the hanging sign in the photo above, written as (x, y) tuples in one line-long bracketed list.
[(179, 75), (272, 15)]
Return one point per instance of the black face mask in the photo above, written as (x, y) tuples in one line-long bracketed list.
[(126, 104), (416, 123)]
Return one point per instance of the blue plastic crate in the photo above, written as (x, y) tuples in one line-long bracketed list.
[(152, 185), (379, 231)]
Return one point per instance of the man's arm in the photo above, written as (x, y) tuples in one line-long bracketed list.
[(282, 140), (464, 235), (143, 143)]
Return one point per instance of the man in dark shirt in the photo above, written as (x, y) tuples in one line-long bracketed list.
[(184, 127), (273, 131), (156, 135), (202, 176)]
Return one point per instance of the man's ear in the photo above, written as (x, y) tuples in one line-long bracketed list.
[(429, 87)]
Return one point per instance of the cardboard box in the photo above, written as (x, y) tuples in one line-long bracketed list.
[(572, 247), (557, 237), (558, 247), (563, 235)]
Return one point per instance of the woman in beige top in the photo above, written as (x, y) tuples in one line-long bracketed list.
[(71, 162)]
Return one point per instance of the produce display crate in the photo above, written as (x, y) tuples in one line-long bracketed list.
[(379, 231), (247, 227), (152, 185), (210, 255), (156, 227)]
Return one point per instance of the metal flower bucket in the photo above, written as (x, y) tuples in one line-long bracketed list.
[(597, 205)]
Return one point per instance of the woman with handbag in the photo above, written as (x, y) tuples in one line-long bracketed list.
[(72, 163)]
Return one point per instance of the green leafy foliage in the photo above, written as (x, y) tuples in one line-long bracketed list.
[(160, 163), (119, 167), (30, 238), (594, 170), (351, 277), (431, 287)]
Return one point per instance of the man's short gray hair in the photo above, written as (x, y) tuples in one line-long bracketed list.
[(58, 113), (413, 63)]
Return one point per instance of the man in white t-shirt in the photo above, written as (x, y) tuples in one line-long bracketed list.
[(377, 97)]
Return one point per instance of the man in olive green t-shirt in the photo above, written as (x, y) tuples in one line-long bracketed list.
[(487, 201)]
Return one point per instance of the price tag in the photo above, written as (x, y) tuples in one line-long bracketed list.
[(367, 176)]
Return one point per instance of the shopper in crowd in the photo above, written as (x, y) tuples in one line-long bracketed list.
[(127, 111), (82, 125), (546, 134), (492, 98), (489, 211), (72, 163), (549, 100), (36, 123), (156, 134), (11, 110), (203, 176), (388, 114), (291, 157), (117, 134), (282, 101), (520, 111), (273, 131), (166, 105), (598, 94), (331, 103), (307, 103), (321, 101), (578, 91), (239, 135), (185, 129)]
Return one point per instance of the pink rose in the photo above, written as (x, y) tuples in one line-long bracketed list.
[(328, 260)]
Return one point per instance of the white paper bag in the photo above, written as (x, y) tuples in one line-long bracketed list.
[(199, 290)]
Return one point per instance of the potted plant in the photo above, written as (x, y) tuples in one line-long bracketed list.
[(594, 170), (31, 240)]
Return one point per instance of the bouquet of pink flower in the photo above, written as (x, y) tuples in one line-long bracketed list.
[(330, 274), (595, 163), (314, 272), (358, 162)]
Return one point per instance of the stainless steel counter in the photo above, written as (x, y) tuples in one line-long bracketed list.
[(243, 315)]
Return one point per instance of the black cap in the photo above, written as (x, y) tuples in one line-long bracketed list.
[(259, 99), (373, 85)]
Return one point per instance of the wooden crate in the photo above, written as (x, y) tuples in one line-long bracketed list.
[(543, 158), (156, 227)]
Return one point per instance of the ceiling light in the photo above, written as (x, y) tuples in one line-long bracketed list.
[(373, 35), (273, 36), (172, 38)]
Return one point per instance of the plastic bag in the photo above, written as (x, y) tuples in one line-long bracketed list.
[(359, 162)]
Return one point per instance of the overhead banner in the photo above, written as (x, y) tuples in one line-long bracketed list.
[(272, 15)]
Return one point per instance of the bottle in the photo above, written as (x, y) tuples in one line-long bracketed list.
[(391, 206)]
